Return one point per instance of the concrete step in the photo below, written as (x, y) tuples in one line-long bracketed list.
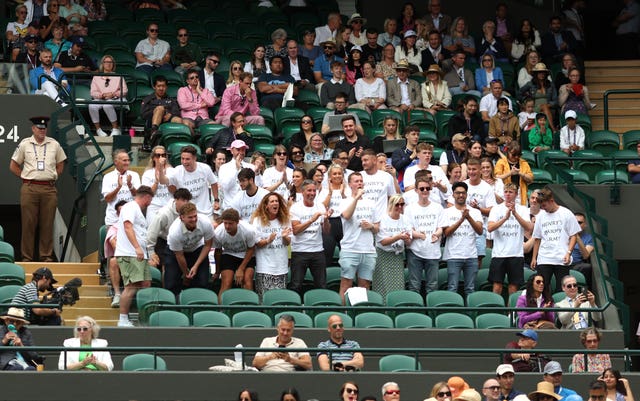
[(71, 313), (611, 64), (618, 124), (62, 268), (88, 301), (93, 290)]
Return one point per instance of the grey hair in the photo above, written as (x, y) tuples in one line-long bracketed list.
[(95, 327), (278, 33), (387, 384)]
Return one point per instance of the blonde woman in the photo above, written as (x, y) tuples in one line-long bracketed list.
[(157, 176), (435, 91), (104, 87), (235, 69), (331, 196), (86, 333)]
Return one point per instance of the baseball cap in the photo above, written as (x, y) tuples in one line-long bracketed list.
[(504, 368), (78, 40), (238, 144), (570, 114), (46, 273), (529, 333), (552, 367)]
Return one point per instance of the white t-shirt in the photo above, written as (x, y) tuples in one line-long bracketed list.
[(109, 183), (390, 227), (245, 204), (436, 173), (162, 196), (498, 188), (489, 104), (235, 245), (273, 258), (199, 183), (181, 239), (336, 199), (228, 184), (355, 239), (309, 240), (424, 219), (554, 230), (271, 176), (131, 212), (378, 187), (571, 137), (508, 238), (462, 243)]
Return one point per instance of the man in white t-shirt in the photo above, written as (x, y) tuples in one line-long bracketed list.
[(308, 221), (199, 179), (228, 173), (131, 250), (378, 185), (237, 240), (439, 185), (508, 222), (489, 102), (461, 225), (190, 238), (423, 255), (119, 184), (159, 227), (360, 223), (246, 201), (555, 233)]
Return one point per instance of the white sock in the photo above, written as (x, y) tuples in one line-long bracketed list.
[(124, 317)]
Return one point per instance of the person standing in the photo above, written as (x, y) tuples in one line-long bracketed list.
[(38, 161), (119, 184), (131, 250)]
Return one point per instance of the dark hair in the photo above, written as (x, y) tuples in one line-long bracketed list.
[(214, 53), (120, 204), (342, 95), (252, 394), (144, 190), (246, 174), (460, 184), (619, 385), (293, 189), (233, 116), (347, 118), (291, 390), (555, 17), (191, 71), (372, 31), (276, 56), (189, 149), (230, 214), (597, 385), (503, 100), (546, 295), (520, 36), (182, 193), (159, 78)]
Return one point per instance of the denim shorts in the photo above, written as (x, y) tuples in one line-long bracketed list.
[(362, 264)]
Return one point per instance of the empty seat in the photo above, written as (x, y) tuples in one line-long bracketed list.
[(442, 299), (399, 363), (281, 297), (251, 319), (413, 320), (137, 362), (369, 320), (147, 298), (168, 318), (493, 321), (209, 318), (454, 321), (605, 142), (592, 165), (11, 274), (612, 177), (485, 299)]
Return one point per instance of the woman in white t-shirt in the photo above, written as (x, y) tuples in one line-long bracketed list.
[(273, 230), (295, 192), (277, 178), (157, 176), (16, 31), (486, 174), (392, 237), (331, 197)]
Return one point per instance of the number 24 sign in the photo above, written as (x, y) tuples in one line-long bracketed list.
[(11, 135)]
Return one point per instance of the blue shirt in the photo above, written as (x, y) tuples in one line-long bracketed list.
[(323, 65), (576, 256), (339, 356)]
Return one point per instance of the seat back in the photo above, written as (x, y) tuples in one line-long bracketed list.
[(251, 319), (138, 362), (209, 318), (168, 318), (399, 363), (413, 320), (368, 320)]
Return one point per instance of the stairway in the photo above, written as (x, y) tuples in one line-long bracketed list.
[(94, 299), (624, 109)]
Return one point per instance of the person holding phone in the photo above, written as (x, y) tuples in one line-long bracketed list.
[(85, 335), (576, 297)]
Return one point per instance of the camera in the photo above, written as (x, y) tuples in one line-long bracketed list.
[(64, 295)]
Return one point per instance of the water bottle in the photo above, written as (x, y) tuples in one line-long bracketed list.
[(212, 261)]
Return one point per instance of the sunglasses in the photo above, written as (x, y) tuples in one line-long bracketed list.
[(82, 328), (106, 82), (306, 121), (154, 30), (392, 392), (580, 221), (337, 326), (193, 77), (237, 69), (327, 47), (297, 152), (214, 61), (183, 35), (492, 388), (444, 394), (400, 204), (281, 153), (422, 189), (539, 281), (160, 155), (572, 285), (351, 390)]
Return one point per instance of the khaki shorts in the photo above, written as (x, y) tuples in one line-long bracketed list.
[(133, 270)]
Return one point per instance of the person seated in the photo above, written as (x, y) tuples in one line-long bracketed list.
[(527, 361), (633, 167), (353, 70), (343, 46), (552, 374), (527, 117), (562, 77), (16, 334), (505, 29), (186, 55), (195, 102), (489, 102), (17, 31), (557, 41), (467, 121), (40, 85), (308, 49), (30, 55), (158, 107), (337, 84), (329, 30), (106, 88), (278, 46), (242, 99), (576, 297), (596, 363), (372, 51), (42, 280), (459, 39), (490, 43), (459, 78), (391, 132), (211, 79), (540, 136), (370, 90), (322, 71), (315, 152), (283, 361), (408, 52), (571, 135), (545, 391), (153, 53), (75, 15), (525, 74), (272, 86), (299, 67), (386, 68), (542, 91), (346, 360), (331, 123), (226, 136), (75, 60), (403, 93), (434, 53), (574, 95), (536, 295), (58, 43), (257, 64), (457, 154), (504, 125), (435, 92), (487, 73), (85, 335), (389, 36), (527, 39)]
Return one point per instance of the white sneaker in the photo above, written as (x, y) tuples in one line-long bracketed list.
[(125, 323), (100, 132), (115, 303), (116, 131)]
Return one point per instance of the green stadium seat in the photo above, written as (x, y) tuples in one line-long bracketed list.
[(363, 116), (493, 321), (404, 298), (413, 320), (580, 278), (141, 362), (485, 299), (630, 139), (156, 277), (611, 177), (281, 297), (317, 113), (6, 252), (378, 116), (605, 142), (284, 116), (197, 296), (302, 320), (373, 320), (399, 363), (310, 98), (148, 15), (579, 177), (208, 131), (428, 136), (558, 296), (146, 298), (541, 178), (11, 274), (239, 296), (423, 119), (372, 132), (320, 320), (168, 318), (7, 292), (592, 166), (333, 278), (441, 299), (442, 119), (373, 299), (453, 321), (251, 318), (208, 318), (321, 297), (174, 132), (622, 158), (530, 157), (545, 156)]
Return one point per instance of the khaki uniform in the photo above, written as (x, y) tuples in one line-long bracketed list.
[(38, 195)]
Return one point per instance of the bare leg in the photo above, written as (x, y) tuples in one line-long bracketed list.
[(497, 288), (247, 280), (512, 288), (226, 278), (114, 275), (345, 284)]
